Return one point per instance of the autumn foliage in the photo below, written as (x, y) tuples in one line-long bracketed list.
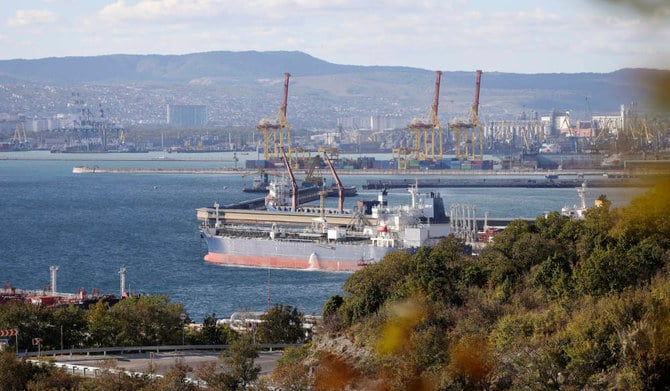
[(557, 304)]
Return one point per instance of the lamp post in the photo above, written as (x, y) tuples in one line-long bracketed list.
[(182, 316)]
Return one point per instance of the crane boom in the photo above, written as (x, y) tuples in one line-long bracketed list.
[(294, 186), (436, 99), (282, 109), (475, 104), (338, 183)]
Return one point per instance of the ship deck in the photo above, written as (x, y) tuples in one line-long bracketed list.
[(209, 216)]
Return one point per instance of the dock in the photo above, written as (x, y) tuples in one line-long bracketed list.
[(373, 184)]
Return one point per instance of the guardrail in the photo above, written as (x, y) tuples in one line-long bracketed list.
[(88, 371), (143, 349)]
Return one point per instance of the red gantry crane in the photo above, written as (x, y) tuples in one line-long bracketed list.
[(425, 142), (472, 131), (276, 130)]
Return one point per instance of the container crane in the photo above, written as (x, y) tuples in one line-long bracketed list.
[(19, 140), (274, 130), (472, 131), (424, 144)]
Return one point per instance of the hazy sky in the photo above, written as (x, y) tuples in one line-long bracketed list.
[(494, 35)]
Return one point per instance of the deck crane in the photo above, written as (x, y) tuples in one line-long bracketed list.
[(472, 130), (309, 173), (294, 185), (424, 145), (338, 183), (276, 129)]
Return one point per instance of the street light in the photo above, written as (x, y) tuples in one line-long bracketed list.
[(182, 316)]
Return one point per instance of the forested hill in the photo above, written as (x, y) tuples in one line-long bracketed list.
[(561, 304)]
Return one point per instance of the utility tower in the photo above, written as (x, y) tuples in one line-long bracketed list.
[(276, 130), (468, 136)]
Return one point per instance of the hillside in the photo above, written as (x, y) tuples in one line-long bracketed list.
[(585, 309), (241, 87)]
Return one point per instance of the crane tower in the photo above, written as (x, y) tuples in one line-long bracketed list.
[(427, 132), (468, 136), (276, 130)]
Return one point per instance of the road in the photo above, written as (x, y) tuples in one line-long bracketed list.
[(162, 362)]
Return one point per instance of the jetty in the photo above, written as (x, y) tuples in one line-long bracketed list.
[(527, 182), (430, 178)]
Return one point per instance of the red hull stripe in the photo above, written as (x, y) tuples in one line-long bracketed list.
[(281, 263)]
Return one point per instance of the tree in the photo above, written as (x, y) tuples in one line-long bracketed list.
[(70, 323), (291, 373), (437, 271), (332, 320), (14, 374), (148, 320), (175, 379), (211, 334), (370, 287), (102, 326), (241, 370), (281, 324)]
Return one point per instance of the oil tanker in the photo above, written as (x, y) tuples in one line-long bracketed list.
[(318, 238), (287, 235)]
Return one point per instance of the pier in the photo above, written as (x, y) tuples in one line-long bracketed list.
[(529, 182), (428, 178)]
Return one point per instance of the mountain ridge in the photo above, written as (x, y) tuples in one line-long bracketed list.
[(321, 92)]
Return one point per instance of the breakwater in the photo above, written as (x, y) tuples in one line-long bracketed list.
[(426, 178), (503, 182)]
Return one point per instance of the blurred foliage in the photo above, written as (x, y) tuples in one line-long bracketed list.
[(653, 12), (557, 304)]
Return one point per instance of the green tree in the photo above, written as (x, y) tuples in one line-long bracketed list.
[(103, 327), (332, 318), (239, 360), (554, 275), (437, 271), (211, 333), (369, 288), (281, 324), (148, 320), (70, 322)]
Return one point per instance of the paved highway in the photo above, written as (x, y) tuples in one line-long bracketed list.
[(161, 361)]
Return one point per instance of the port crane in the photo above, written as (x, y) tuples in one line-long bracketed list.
[(19, 140), (425, 131), (275, 130), (470, 134)]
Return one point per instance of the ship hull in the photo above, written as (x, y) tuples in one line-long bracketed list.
[(254, 252)]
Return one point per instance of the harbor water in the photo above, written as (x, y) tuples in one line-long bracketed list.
[(92, 224)]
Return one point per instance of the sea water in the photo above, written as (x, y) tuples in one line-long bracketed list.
[(90, 225)]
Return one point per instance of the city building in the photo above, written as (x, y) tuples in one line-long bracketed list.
[(186, 115)]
